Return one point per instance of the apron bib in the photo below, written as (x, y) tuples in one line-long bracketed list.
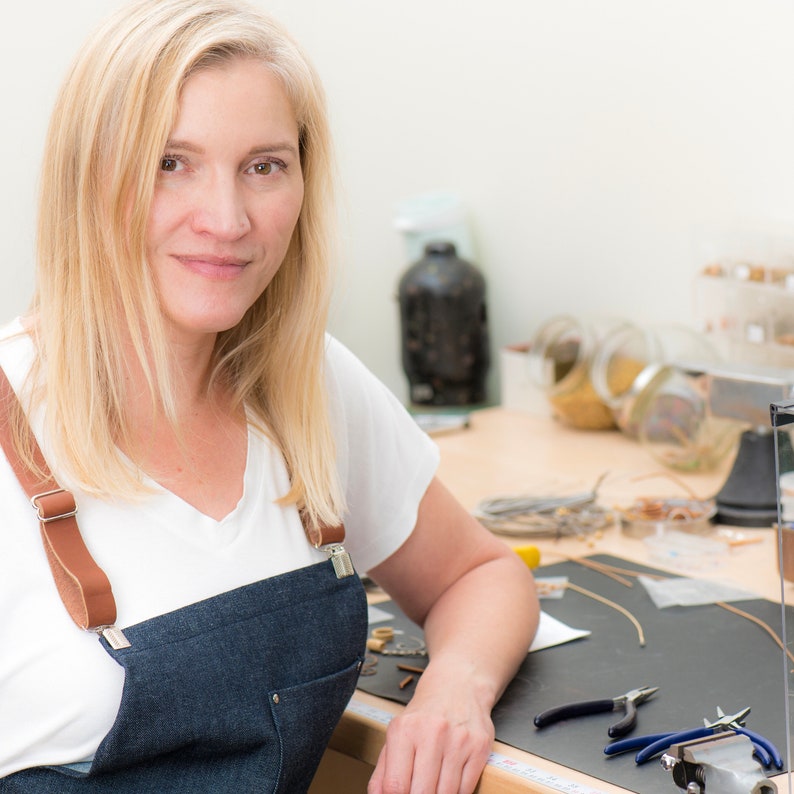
[(237, 693)]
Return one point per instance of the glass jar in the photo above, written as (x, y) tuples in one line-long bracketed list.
[(673, 421), (560, 358), (627, 359)]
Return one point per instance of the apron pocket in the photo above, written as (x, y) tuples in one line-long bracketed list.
[(305, 716)]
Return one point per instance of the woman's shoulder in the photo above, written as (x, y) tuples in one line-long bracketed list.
[(13, 329), (384, 459), (347, 373), (352, 388), (359, 399), (338, 355)]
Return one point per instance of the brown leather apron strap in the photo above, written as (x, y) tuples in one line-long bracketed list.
[(327, 535), (82, 584)]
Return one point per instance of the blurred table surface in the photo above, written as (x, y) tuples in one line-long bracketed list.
[(514, 453)]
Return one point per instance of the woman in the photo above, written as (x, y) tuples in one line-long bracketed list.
[(177, 376)]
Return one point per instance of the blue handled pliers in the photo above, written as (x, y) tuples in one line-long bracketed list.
[(655, 743), (628, 702)]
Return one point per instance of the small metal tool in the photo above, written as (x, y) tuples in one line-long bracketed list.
[(718, 764), (653, 744), (627, 702)]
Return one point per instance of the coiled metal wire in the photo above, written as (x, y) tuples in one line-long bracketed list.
[(545, 515)]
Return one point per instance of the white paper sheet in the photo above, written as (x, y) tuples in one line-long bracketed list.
[(554, 632)]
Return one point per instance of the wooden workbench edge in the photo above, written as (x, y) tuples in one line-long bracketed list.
[(362, 738)]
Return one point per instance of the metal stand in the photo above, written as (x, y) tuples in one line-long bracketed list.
[(749, 496)]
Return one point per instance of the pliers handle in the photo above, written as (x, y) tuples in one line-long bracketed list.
[(655, 743), (581, 708), (766, 751)]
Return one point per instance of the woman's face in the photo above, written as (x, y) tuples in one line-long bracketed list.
[(227, 199)]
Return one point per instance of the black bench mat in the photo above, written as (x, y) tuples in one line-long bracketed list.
[(700, 657)]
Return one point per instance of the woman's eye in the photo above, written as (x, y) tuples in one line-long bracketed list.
[(169, 164), (266, 168)]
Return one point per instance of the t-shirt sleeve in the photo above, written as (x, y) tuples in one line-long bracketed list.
[(385, 460)]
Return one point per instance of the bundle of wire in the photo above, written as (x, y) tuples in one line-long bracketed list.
[(572, 514)]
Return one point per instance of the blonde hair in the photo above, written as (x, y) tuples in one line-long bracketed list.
[(94, 289)]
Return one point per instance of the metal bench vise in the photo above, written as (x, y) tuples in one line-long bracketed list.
[(719, 764)]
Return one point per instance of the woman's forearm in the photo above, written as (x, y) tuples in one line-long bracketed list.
[(483, 624)]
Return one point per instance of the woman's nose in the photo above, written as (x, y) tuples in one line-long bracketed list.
[(220, 210)]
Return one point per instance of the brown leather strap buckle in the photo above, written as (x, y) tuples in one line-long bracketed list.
[(54, 505)]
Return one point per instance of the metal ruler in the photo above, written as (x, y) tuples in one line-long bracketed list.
[(517, 768)]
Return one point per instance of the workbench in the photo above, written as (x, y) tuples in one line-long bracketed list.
[(511, 452)]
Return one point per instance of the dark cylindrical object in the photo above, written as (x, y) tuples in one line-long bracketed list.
[(445, 347)]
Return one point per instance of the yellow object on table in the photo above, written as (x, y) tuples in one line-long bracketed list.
[(529, 554)]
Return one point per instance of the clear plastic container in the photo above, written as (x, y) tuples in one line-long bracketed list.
[(688, 552), (657, 515)]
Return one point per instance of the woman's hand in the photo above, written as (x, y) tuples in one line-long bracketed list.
[(439, 744)]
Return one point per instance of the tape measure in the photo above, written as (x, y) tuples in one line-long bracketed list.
[(535, 775), (502, 762)]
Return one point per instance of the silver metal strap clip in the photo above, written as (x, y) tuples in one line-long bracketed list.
[(343, 565), (114, 636)]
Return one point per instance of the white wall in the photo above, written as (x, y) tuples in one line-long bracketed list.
[(592, 142)]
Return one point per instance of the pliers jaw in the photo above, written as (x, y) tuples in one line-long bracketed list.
[(629, 703), (727, 722), (636, 696)]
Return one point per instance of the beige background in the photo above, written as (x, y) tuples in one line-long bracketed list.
[(600, 147)]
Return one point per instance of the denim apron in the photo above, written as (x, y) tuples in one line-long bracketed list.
[(237, 693)]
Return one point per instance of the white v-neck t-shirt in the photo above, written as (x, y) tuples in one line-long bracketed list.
[(59, 689)]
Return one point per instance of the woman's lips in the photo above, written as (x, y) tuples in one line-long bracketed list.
[(218, 267)]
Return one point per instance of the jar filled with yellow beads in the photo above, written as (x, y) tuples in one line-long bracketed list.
[(560, 358)]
